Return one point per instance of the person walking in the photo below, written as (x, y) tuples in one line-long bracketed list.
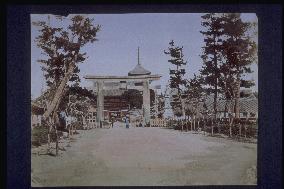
[(127, 123), (112, 121)]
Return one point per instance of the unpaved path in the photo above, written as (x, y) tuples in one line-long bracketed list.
[(144, 157)]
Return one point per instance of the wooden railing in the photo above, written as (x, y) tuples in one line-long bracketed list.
[(158, 123)]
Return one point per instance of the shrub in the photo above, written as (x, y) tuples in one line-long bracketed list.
[(78, 125), (39, 135)]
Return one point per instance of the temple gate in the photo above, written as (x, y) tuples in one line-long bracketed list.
[(139, 79)]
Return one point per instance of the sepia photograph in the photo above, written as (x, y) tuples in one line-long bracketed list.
[(144, 99)]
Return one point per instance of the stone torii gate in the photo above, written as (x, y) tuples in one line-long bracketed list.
[(139, 82), (138, 78)]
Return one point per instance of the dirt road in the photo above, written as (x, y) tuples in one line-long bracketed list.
[(144, 157)]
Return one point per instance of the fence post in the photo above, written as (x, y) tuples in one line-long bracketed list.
[(198, 124), (194, 123), (204, 126), (231, 122), (187, 125), (212, 127), (240, 129), (218, 126)]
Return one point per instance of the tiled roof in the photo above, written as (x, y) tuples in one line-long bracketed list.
[(248, 104), (138, 70)]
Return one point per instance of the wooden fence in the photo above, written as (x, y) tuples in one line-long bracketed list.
[(158, 123), (241, 127)]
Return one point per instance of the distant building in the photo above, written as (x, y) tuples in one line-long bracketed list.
[(248, 106), (115, 106), (111, 98), (36, 114)]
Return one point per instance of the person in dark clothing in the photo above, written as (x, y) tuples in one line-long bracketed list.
[(112, 120), (127, 123)]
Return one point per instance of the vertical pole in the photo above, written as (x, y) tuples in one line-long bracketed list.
[(245, 131), (156, 104), (204, 125), (138, 57), (212, 127), (100, 103), (48, 136), (146, 102), (240, 129), (198, 124), (187, 123), (194, 122)]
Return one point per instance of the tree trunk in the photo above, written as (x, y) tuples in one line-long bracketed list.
[(55, 118), (56, 143), (69, 131), (59, 91), (230, 126), (187, 123), (216, 82), (245, 131), (198, 124), (237, 100), (182, 107), (72, 129), (212, 128), (83, 121), (194, 123), (204, 126), (240, 130), (246, 123), (56, 123), (218, 126), (215, 102), (48, 136)]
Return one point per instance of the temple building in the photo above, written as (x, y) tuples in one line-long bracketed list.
[(113, 100)]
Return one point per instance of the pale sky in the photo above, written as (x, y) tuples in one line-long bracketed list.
[(115, 53)]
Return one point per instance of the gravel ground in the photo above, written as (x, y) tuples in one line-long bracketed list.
[(145, 157)]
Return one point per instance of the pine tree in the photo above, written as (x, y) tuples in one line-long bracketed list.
[(194, 94), (212, 57), (239, 51), (62, 50), (161, 106), (177, 82), (194, 88)]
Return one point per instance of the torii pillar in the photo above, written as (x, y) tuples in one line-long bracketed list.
[(98, 84), (100, 103), (146, 102)]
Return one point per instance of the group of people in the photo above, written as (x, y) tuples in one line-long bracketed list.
[(126, 121), (66, 121)]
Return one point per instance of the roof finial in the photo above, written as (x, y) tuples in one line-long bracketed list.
[(138, 57)]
